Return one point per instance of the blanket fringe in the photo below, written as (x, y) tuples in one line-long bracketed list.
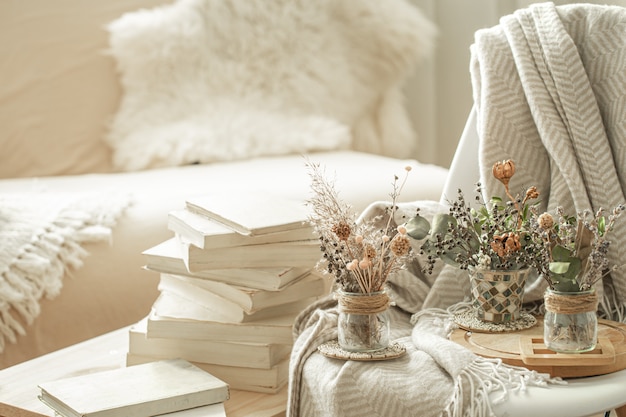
[(481, 377), (53, 252), (485, 376)]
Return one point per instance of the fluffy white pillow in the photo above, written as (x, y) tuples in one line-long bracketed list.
[(208, 80)]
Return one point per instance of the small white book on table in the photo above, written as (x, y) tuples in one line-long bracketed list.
[(137, 391)]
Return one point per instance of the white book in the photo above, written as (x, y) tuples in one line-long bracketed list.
[(250, 299), (182, 322), (268, 381), (137, 391), (252, 355), (213, 410), (206, 233), (251, 213), (167, 257), (301, 253), (220, 310)]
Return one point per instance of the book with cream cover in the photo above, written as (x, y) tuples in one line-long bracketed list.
[(253, 213), (166, 257), (252, 355), (144, 390), (250, 299), (301, 253), (206, 233), (267, 381), (174, 318)]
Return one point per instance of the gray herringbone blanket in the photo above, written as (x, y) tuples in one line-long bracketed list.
[(549, 89), (550, 92)]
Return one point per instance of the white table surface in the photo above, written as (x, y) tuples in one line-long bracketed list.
[(580, 397)]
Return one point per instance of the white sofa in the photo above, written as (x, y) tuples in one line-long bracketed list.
[(60, 91)]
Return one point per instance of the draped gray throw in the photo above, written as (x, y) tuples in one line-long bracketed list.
[(550, 92)]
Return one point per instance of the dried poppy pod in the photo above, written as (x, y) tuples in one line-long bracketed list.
[(504, 171)]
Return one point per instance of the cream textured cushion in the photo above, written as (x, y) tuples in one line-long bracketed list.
[(208, 81)]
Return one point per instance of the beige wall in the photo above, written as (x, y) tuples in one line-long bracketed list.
[(440, 94)]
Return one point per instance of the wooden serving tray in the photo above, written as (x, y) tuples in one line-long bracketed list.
[(525, 348)]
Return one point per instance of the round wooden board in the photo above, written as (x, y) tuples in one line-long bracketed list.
[(506, 346)]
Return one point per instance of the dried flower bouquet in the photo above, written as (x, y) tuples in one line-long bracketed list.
[(496, 236), (360, 255), (576, 248)]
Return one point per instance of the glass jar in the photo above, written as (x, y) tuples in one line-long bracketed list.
[(363, 322), (570, 324)]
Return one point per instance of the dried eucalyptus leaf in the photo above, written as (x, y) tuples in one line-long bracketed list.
[(417, 228)]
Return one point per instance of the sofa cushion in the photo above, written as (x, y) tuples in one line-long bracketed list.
[(208, 81)]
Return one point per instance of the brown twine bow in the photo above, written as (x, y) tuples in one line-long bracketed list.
[(571, 303), (363, 303)]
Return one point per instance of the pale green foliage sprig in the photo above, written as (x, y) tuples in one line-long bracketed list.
[(576, 248)]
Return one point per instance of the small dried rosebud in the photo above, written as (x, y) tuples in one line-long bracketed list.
[(503, 171), (342, 230), (408, 168), (546, 221), (512, 243), (401, 230), (532, 192), (504, 245)]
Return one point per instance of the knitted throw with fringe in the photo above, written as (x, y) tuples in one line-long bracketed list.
[(436, 377), (40, 241)]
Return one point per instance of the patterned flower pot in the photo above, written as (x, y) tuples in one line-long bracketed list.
[(497, 296)]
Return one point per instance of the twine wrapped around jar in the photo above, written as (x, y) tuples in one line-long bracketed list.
[(363, 303), (571, 303)]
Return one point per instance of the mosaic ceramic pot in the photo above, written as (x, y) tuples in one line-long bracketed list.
[(497, 296)]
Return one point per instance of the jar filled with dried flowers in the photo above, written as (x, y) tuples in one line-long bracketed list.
[(360, 255), (575, 250), (570, 324), (493, 242), (363, 322)]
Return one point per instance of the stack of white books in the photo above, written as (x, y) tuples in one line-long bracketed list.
[(233, 278)]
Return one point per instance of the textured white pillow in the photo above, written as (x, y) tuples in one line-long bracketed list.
[(209, 80)]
